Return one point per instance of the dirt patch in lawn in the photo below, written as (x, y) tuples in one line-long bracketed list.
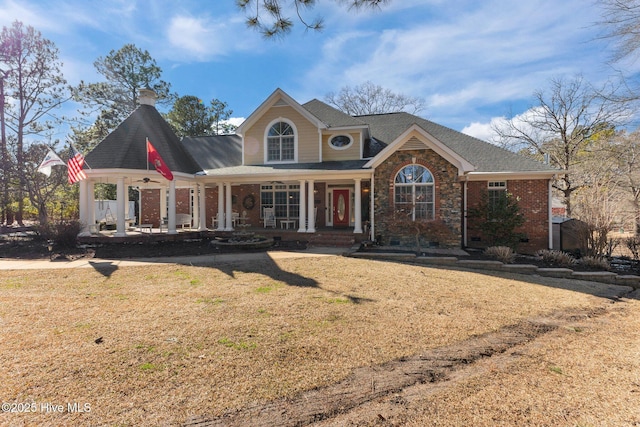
[(318, 338)]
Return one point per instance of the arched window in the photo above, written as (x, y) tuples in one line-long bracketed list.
[(413, 188), (281, 142)]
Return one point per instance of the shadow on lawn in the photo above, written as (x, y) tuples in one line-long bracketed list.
[(106, 268)]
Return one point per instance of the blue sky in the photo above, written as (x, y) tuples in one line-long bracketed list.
[(471, 61)]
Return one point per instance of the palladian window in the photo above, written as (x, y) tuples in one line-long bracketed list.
[(281, 143), (414, 194)]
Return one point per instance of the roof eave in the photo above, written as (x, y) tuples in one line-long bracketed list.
[(454, 158)]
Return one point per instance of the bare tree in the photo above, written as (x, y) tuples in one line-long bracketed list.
[(561, 126), (36, 86), (272, 17), (369, 98), (620, 22), (622, 154), (599, 205)]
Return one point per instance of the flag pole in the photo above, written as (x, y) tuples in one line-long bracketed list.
[(146, 148)]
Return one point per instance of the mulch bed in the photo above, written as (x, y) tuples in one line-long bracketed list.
[(30, 247)]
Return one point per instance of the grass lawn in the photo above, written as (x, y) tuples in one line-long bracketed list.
[(158, 344)]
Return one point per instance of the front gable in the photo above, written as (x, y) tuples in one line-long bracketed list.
[(416, 138), (281, 108)]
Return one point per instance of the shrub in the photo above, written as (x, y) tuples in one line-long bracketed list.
[(595, 262), (64, 235), (633, 244), (502, 253), (556, 258), (499, 220)]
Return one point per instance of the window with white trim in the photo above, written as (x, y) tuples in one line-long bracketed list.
[(285, 199), (414, 192), (281, 140), (497, 191), (340, 142)]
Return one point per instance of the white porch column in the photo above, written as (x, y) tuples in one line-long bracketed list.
[(228, 217), (163, 202), (171, 205), (91, 204), (195, 209), (202, 205), (302, 217), (220, 206), (357, 227), (126, 204), (83, 208), (120, 197), (311, 212)]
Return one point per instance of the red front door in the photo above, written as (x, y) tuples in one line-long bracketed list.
[(340, 208)]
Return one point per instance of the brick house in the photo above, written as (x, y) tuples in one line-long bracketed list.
[(315, 167)]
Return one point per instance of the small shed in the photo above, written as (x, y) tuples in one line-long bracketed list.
[(568, 234)]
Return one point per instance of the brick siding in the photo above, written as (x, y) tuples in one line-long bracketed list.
[(534, 203)]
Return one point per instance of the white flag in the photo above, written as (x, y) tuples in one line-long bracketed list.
[(51, 159)]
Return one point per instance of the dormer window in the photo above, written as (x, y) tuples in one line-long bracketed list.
[(340, 142), (281, 142)]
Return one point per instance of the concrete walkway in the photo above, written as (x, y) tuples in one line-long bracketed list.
[(210, 259)]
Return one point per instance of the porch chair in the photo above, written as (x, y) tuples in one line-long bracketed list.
[(215, 220), (269, 218)]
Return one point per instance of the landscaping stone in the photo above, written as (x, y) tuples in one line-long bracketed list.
[(595, 276), (629, 280), (520, 268), (383, 255), (437, 260), (483, 264), (555, 272)]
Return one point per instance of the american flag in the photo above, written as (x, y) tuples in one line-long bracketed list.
[(74, 166)]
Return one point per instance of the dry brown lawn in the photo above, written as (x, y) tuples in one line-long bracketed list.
[(159, 344)]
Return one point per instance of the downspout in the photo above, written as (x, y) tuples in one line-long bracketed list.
[(372, 204), (464, 212), (550, 201)]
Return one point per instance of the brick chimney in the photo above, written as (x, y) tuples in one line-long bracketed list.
[(147, 97)]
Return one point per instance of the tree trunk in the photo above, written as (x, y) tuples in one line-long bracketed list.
[(4, 215)]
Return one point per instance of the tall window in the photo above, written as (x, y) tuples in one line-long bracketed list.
[(285, 199), (414, 193), (497, 190), (280, 143)]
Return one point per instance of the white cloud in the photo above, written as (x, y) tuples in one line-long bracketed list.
[(465, 57), (486, 131), (236, 121), (482, 131), (194, 36)]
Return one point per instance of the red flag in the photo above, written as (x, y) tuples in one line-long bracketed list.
[(154, 157), (74, 166)]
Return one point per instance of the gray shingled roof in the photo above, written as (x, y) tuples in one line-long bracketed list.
[(215, 151), (293, 168), (485, 156), (125, 147), (330, 116)]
